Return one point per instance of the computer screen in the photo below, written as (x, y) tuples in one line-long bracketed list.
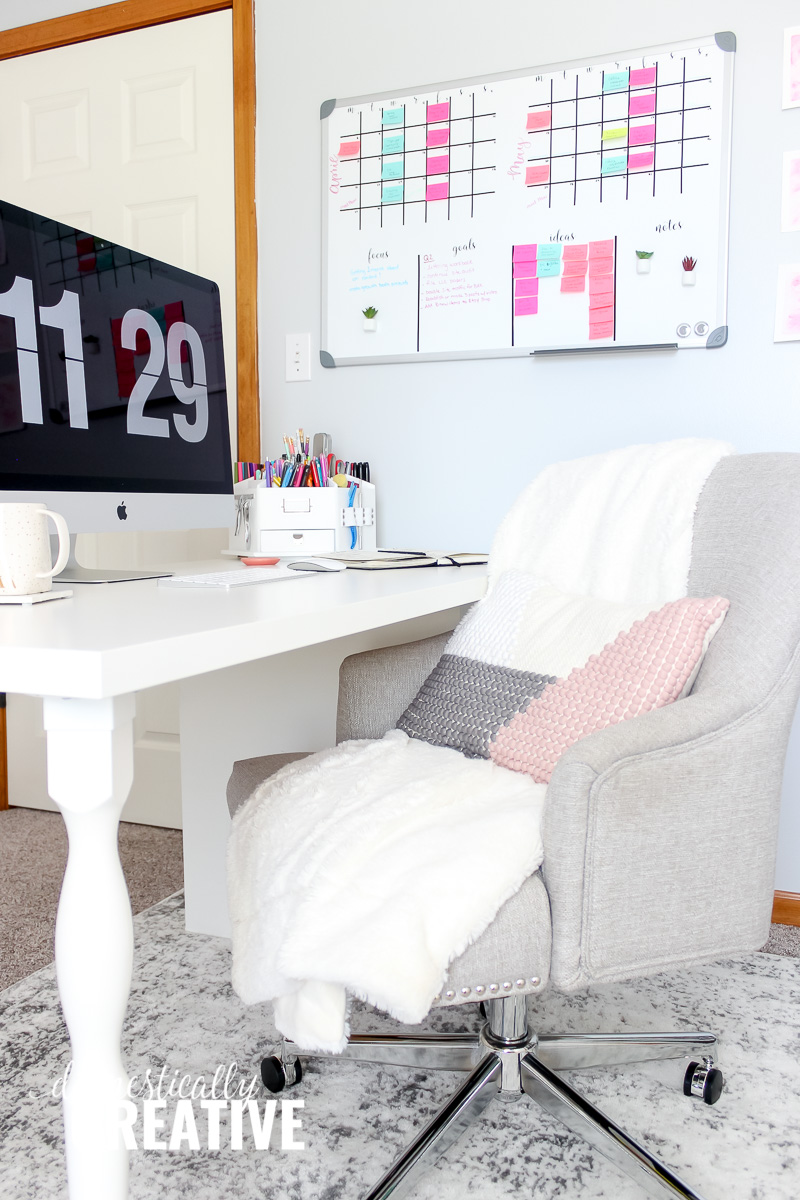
[(113, 405)]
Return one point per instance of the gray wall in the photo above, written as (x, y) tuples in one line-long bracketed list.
[(502, 420)]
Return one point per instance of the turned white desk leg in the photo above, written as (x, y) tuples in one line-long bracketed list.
[(89, 772)]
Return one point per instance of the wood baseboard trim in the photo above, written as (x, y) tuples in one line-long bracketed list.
[(786, 908)]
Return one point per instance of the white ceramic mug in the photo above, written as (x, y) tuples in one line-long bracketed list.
[(25, 565)]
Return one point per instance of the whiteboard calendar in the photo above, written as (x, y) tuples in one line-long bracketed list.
[(576, 206)]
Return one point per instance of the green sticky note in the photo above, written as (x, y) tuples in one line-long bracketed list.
[(392, 170), (615, 81), (393, 144), (393, 194), (547, 266), (548, 250), (614, 163), (610, 134), (394, 116)]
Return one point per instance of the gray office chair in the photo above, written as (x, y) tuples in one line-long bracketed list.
[(660, 836)]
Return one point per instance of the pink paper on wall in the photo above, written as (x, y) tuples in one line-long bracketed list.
[(528, 306), (604, 285), (537, 174), (348, 149), (605, 301), (579, 251), (642, 77), (439, 112), (601, 249), (601, 266), (573, 283), (438, 164), (600, 329), (574, 266), (640, 135), (640, 105), (525, 270), (438, 137), (637, 161), (526, 287), (538, 120), (525, 253), (436, 191)]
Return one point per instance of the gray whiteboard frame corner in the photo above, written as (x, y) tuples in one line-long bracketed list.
[(326, 359), (327, 107), (726, 41), (718, 337)]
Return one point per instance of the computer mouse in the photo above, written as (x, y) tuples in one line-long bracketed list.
[(316, 564)]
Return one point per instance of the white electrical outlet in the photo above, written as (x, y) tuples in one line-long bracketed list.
[(298, 357)]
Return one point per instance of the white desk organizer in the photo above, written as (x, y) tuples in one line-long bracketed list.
[(281, 521)]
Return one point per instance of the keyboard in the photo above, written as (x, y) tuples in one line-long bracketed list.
[(238, 577)]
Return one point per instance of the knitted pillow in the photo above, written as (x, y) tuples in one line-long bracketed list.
[(514, 653)]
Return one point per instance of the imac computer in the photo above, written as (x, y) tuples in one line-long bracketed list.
[(113, 406)]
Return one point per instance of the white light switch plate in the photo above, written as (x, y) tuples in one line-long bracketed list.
[(298, 357)]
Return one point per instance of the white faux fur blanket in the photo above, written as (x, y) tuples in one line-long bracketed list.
[(616, 526), (364, 869)]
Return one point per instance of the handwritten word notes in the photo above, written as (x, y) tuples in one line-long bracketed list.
[(437, 137), (524, 270), (638, 162), (437, 191), (547, 268), (540, 173), (600, 329), (640, 135), (643, 77), (392, 193), (613, 135), (438, 112), (606, 300), (526, 287), (572, 283), (640, 105), (598, 285), (392, 170), (613, 164), (393, 144), (790, 200), (600, 266), (601, 249), (538, 120), (527, 306), (787, 309), (615, 81), (549, 250), (349, 149), (577, 250), (525, 253), (438, 164), (576, 266), (791, 67), (393, 116)]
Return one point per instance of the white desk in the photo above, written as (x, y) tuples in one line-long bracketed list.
[(87, 656)]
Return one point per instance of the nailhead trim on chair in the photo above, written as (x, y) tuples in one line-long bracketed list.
[(481, 988)]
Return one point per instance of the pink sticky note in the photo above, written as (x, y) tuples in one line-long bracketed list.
[(642, 77), (438, 164), (601, 249), (573, 283), (600, 329), (574, 252), (601, 266), (438, 137), (525, 269), (640, 135), (525, 253), (526, 287), (527, 307), (599, 302), (439, 112), (537, 174), (436, 191), (604, 285), (637, 161), (348, 149), (642, 104), (538, 120), (575, 267)]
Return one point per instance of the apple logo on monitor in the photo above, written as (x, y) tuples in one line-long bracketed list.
[(121, 511)]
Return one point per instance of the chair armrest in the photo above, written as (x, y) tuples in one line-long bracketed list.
[(660, 835), (376, 686)]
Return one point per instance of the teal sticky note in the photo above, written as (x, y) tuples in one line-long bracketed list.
[(615, 81), (548, 250), (394, 116), (392, 170), (393, 194), (393, 144), (546, 267), (614, 163)]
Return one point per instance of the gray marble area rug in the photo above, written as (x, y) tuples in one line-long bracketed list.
[(183, 1018)]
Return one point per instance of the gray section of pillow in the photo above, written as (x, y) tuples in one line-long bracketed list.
[(463, 703)]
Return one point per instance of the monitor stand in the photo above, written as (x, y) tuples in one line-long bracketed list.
[(74, 573)]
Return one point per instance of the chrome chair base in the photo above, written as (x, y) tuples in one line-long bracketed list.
[(505, 1061)]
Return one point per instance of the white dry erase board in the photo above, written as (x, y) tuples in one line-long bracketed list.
[(503, 215)]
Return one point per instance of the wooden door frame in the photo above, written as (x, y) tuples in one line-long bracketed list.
[(138, 14)]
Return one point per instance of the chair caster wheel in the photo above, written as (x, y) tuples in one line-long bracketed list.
[(276, 1075), (703, 1079)]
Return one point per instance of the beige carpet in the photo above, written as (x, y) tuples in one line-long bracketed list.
[(33, 854)]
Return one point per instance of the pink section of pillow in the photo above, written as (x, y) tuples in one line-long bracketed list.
[(646, 667)]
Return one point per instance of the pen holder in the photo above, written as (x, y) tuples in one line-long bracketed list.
[(301, 521)]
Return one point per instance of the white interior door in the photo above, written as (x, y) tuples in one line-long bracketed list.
[(129, 138)]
